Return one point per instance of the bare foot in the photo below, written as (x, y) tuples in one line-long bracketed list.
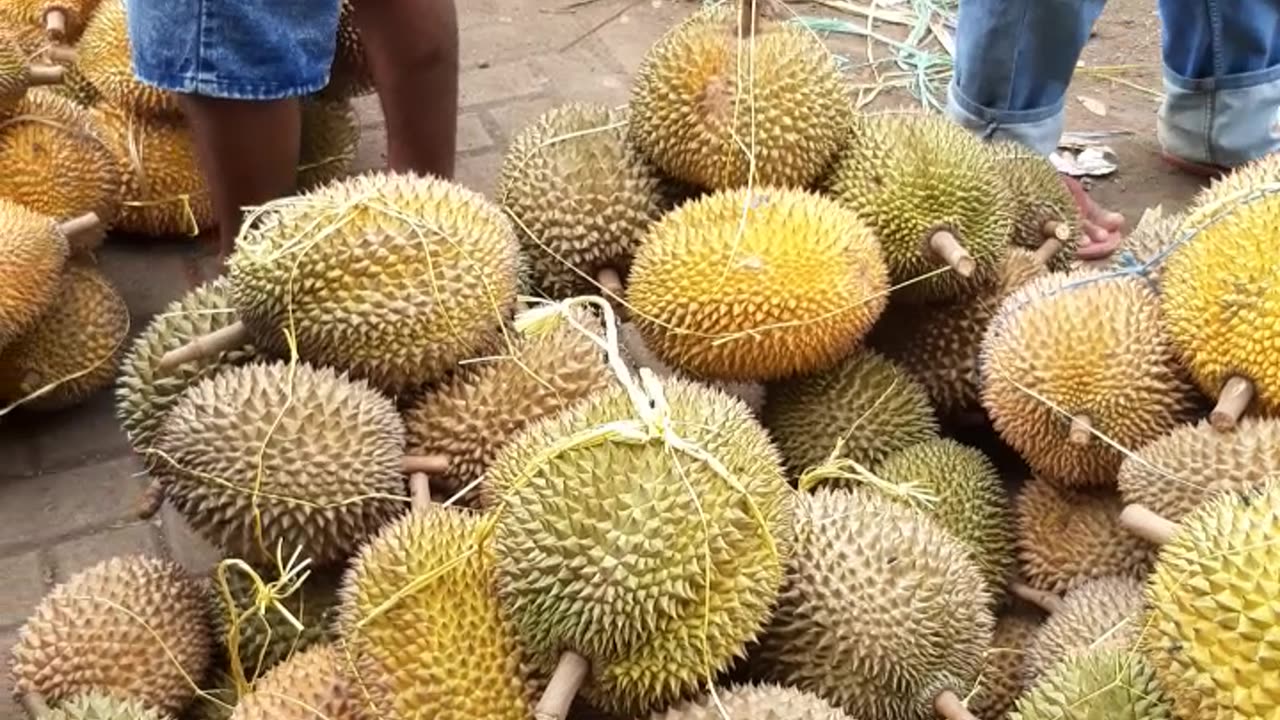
[(1100, 227)]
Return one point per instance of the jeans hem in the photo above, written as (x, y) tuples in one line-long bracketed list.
[(232, 89)]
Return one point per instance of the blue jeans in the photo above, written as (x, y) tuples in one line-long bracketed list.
[(1015, 58)]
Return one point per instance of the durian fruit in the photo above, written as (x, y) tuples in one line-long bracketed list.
[(1147, 246), (756, 285), (968, 500), (312, 684), (1068, 537), (133, 626), (265, 639), (218, 701), (312, 453), (638, 563), (144, 395), (165, 193), (1106, 612), (933, 194), (582, 198), (104, 54), (722, 89), (98, 705), (1211, 631), (883, 613), (755, 700), (75, 86), (34, 250), (1221, 306), (444, 650), (18, 74), (330, 138), (1000, 681), (75, 346), (938, 343), (1101, 685), (867, 405), (1174, 474), (62, 20), (478, 409), (1045, 216), (1072, 354), (636, 354), (392, 277), (55, 163), (349, 76)]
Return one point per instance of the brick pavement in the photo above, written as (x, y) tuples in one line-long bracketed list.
[(68, 480)]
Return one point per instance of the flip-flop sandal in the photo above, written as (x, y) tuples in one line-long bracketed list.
[(1205, 170)]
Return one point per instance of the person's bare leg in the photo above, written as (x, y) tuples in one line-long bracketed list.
[(412, 50), (248, 152)]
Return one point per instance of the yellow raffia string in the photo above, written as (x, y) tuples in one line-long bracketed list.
[(53, 385), (291, 576)]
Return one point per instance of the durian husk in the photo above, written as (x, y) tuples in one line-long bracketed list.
[(133, 626), (33, 13), (1082, 345), (479, 408), (104, 55), (654, 557), (939, 343), (756, 285), (1174, 474), (1069, 537), (1038, 196), (850, 630), (755, 700), (330, 139), (73, 349), (271, 454), (1103, 613), (312, 684), (866, 404), (98, 705), (637, 354), (54, 161), (1213, 609), (33, 253), (1001, 681), (445, 650), (350, 75), (706, 102), (909, 175), (393, 277), (582, 197), (1148, 245), (1101, 685)]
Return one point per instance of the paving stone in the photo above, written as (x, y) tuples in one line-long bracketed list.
[(479, 172), (471, 134), (629, 37), (73, 556), (9, 708), (368, 109), (186, 547), (22, 588), (36, 509), (510, 118), (582, 75), (371, 153), (499, 82), (18, 457), (83, 433), (149, 275)]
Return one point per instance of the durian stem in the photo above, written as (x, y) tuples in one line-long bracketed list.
[(1046, 251), (62, 54), (563, 687), (1046, 601), (151, 500), (84, 232), (1147, 525), (609, 281), (1232, 402), (420, 490), (428, 464), (38, 74), (952, 253), (1055, 230), (747, 18), (950, 706), (35, 705), (1081, 431), (55, 23), (228, 338)]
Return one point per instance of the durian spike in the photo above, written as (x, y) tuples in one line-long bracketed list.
[(952, 252), (1147, 525), (38, 74), (1047, 250), (950, 706), (228, 338), (1081, 430), (1055, 230), (1234, 399), (84, 232), (428, 464), (420, 490), (151, 500), (55, 24), (35, 705), (1046, 601), (570, 673)]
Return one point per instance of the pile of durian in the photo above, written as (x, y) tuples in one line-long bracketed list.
[(86, 148), (668, 427)]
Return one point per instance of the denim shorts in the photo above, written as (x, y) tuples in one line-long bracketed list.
[(236, 49)]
